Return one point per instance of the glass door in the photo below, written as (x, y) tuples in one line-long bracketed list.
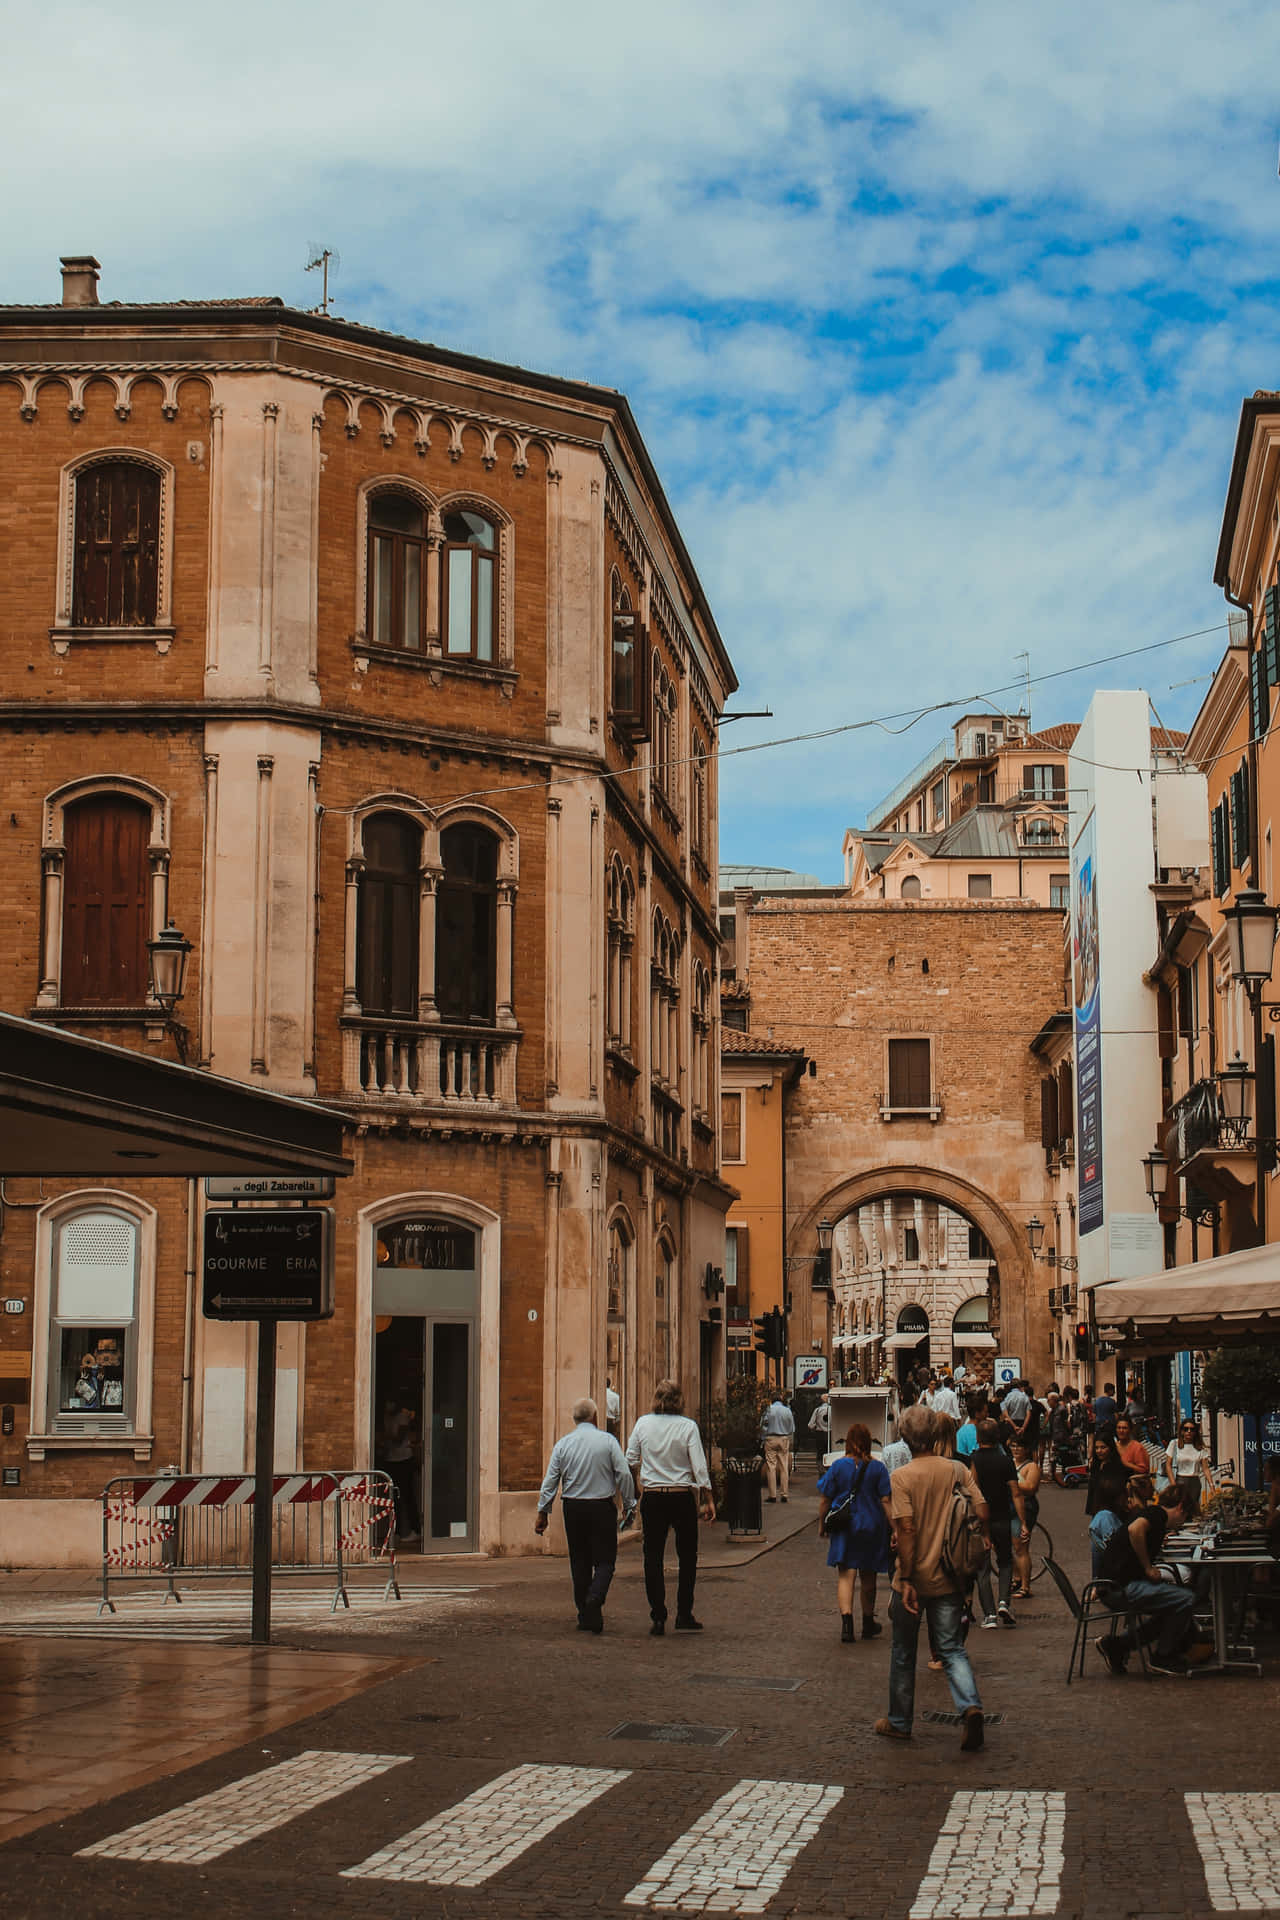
[(449, 1516)]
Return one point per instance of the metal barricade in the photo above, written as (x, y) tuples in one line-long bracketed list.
[(182, 1526)]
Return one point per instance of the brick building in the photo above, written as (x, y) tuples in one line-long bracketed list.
[(384, 673), (916, 1131)]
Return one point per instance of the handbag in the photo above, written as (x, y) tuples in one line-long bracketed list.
[(840, 1512)]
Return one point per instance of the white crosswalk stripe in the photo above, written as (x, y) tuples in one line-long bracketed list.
[(996, 1854), (470, 1842), (736, 1857), (206, 1828), (1238, 1835)]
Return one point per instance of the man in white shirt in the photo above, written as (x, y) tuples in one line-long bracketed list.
[(590, 1470), (665, 1454), (779, 1429), (943, 1400), (612, 1407)]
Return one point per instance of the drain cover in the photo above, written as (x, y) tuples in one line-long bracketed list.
[(751, 1682), (954, 1719), (674, 1734)]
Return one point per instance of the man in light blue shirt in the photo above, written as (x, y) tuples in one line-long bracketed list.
[(590, 1469), (967, 1435), (779, 1429)]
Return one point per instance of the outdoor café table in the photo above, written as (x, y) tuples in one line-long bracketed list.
[(1219, 1558)]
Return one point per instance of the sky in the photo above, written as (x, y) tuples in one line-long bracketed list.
[(936, 318)]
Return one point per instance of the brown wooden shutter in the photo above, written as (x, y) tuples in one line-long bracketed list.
[(731, 1126), (1049, 1113), (1166, 1025), (909, 1076), (1066, 1101), (117, 546), (104, 903)]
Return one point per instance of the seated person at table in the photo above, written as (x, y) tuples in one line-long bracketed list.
[(1128, 1568)]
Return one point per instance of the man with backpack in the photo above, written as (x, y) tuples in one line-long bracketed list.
[(941, 1537)]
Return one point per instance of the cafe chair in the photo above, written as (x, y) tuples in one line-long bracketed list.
[(1088, 1609)]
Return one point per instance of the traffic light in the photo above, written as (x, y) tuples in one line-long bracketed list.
[(770, 1332), (760, 1333), (1082, 1340)]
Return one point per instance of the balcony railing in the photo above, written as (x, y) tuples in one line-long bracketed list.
[(1194, 1123), (1010, 793), (428, 1065)]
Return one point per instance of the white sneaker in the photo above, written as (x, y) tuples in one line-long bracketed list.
[(990, 1621)]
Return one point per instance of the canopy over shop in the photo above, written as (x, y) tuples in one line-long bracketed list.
[(1231, 1301)]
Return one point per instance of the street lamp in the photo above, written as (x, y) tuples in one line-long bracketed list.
[(1235, 1091), (1035, 1235), (825, 1230), (167, 969), (1251, 925), (1155, 1170)]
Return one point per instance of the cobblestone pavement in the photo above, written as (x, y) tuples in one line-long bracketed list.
[(508, 1778)]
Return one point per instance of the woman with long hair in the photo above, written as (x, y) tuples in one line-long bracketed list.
[(1029, 1476), (1187, 1464), (857, 1486), (1108, 1474)]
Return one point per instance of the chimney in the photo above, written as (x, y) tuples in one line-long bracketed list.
[(80, 280)]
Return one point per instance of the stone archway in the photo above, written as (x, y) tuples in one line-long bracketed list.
[(1010, 1253)]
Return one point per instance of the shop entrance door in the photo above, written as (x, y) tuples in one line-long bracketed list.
[(424, 1399)]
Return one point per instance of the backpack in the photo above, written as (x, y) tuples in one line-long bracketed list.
[(964, 1550)]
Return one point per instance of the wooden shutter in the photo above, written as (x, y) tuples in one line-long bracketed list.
[(1049, 1112), (104, 903), (909, 1076), (1059, 782), (1165, 1027), (117, 546), (731, 1126), (1240, 816), (1259, 696), (1066, 1101), (744, 1271), (1271, 642), (1266, 1102), (1218, 841)]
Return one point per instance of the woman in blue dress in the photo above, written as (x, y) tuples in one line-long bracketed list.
[(858, 1486)]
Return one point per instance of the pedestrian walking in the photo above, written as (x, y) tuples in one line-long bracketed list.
[(820, 1428), (1024, 1520), (779, 1429), (612, 1408), (857, 1488), (1104, 1406), (590, 1471), (1187, 1465), (922, 1496), (997, 1478), (665, 1454)]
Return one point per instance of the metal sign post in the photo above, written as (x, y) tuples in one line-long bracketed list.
[(268, 1265), (263, 1483)]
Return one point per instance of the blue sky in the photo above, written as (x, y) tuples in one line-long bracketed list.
[(936, 318)]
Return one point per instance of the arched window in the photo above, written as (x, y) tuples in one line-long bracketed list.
[(387, 917), (664, 701), (397, 571), (616, 1357), (466, 974), (664, 1301), (698, 796), (627, 701), (116, 534), (105, 900), (620, 937), (470, 587), (94, 1319), (910, 888)]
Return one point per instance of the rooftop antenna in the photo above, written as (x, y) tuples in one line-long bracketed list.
[(1026, 658), (323, 257)]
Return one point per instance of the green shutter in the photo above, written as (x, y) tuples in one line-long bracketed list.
[(1218, 836), (1259, 697), (1271, 646), (1240, 816)]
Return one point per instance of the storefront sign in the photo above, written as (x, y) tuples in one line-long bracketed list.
[(441, 1246), (268, 1265)]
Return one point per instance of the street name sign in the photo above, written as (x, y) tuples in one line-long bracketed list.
[(269, 1186), (268, 1265)]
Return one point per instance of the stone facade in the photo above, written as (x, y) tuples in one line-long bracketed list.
[(259, 724)]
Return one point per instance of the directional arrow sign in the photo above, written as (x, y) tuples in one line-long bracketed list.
[(270, 1264)]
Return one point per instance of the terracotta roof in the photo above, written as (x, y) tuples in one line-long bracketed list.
[(731, 1041), (1167, 737), (735, 990), (1057, 739), (59, 306)]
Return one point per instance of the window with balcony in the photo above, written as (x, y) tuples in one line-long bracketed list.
[(387, 917), (1047, 782), (466, 914)]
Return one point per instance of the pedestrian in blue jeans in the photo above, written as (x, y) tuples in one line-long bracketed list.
[(921, 1494)]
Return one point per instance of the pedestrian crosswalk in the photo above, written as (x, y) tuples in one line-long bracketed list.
[(218, 1613), (996, 1855)]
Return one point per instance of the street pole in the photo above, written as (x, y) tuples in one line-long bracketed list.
[(1260, 1168), (263, 1477)]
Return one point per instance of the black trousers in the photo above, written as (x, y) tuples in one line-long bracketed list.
[(660, 1512), (591, 1533)]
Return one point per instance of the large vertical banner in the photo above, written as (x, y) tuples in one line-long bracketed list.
[(1088, 1024)]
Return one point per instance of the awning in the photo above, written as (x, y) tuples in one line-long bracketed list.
[(897, 1340), (1229, 1301), (74, 1106), (962, 1337)]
